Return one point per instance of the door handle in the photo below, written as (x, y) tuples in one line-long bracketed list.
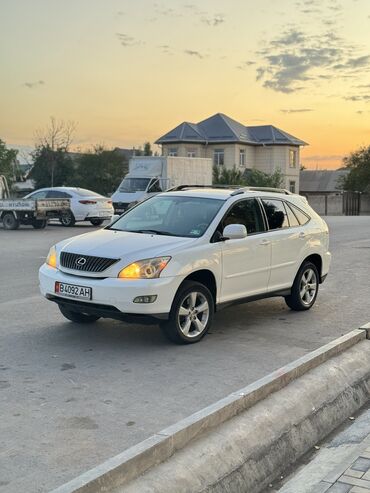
[(265, 242), (302, 235)]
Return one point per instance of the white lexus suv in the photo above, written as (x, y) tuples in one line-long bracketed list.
[(182, 255)]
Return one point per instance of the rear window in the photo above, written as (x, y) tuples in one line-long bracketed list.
[(293, 221), (301, 216), (82, 192)]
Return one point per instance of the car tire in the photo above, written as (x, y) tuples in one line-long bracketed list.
[(96, 222), (305, 288), (39, 223), (78, 317), (67, 219), (10, 221), (191, 314)]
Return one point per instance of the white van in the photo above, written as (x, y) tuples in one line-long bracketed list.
[(149, 175)]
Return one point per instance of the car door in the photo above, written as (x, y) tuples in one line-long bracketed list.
[(246, 261), (286, 243)]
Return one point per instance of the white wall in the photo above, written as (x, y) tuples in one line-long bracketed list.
[(264, 158), (271, 158)]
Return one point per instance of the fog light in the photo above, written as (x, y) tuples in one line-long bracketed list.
[(145, 299)]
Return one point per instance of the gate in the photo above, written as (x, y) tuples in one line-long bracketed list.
[(351, 203)]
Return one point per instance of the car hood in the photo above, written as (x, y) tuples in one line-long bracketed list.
[(124, 245), (127, 197)]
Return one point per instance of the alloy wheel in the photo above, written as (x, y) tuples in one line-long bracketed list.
[(308, 286), (193, 314)]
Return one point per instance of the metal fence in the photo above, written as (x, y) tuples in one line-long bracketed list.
[(339, 203)]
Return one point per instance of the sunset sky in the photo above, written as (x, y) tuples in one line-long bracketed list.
[(128, 71)]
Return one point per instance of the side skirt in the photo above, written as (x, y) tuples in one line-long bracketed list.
[(247, 299)]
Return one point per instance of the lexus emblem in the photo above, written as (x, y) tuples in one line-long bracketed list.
[(81, 261)]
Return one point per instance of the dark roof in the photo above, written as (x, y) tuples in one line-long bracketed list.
[(221, 128), (320, 181)]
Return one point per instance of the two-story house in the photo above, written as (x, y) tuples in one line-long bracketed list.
[(230, 143)]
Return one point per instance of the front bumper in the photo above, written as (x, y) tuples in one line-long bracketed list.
[(100, 214), (112, 296), (120, 207)]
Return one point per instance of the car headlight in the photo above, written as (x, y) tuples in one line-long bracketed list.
[(51, 259), (149, 268)]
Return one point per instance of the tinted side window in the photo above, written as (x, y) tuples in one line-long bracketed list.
[(276, 214), (246, 212), (293, 221), (301, 216), (39, 195), (57, 194)]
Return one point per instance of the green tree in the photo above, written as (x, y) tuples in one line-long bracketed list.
[(52, 168), (8, 162), (251, 177), (147, 149), (100, 170), (256, 178), (358, 164)]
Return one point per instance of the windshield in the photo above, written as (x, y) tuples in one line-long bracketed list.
[(170, 215), (134, 184)]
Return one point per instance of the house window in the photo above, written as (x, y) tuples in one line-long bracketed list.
[(242, 157), (292, 186), (219, 157), (172, 151), (192, 152), (293, 158)]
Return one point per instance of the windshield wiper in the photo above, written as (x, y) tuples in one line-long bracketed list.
[(152, 231)]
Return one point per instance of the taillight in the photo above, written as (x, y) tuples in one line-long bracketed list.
[(87, 202)]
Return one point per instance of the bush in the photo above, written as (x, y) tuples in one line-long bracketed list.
[(250, 177)]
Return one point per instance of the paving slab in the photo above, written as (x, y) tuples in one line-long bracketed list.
[(341, 463)]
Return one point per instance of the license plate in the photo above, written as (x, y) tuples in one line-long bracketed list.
[(73, 291)]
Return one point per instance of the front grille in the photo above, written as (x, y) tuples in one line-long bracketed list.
[(85, 263)]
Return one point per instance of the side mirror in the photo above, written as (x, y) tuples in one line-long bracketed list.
[(235, 232)]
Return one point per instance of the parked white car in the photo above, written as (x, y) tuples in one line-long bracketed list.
[(85, 204), (180, 256)]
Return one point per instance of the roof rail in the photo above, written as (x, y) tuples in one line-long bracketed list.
[(261, 189), (237, 189), (185, 187)]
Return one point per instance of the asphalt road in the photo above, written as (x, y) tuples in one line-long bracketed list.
[(72, 396)]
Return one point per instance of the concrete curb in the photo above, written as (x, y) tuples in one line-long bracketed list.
[(135, 461)]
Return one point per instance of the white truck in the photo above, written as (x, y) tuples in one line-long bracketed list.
[(14, 212), (149, 175)]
